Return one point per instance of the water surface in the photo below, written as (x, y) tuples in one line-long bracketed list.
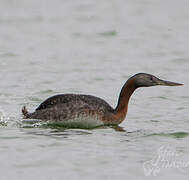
[(93, 47)]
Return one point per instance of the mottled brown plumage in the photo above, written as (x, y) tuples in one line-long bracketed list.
[(90, 109)]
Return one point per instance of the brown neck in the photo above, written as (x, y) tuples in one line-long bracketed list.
[(125, 94)]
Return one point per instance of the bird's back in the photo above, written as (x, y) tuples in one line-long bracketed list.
[(65, 107), (72, 99)]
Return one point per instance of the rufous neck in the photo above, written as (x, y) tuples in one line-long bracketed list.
[(125, 94)]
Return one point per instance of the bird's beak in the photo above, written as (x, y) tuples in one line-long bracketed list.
[(168, 83)]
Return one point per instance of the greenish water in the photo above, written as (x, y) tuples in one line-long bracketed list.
[(93, 47)]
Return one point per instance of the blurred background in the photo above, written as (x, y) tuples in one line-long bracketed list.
[(92, 47)]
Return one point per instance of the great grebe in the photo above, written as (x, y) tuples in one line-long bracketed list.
[(91, 110)]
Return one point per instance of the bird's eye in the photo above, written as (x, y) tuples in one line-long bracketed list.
[(151, 78)]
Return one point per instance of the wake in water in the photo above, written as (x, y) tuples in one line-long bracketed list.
[(4, 119)]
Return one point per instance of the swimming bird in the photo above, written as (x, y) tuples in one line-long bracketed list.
[(92, 111)]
